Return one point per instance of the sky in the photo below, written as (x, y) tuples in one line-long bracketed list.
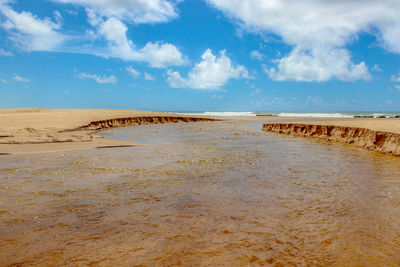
[(201, 55)]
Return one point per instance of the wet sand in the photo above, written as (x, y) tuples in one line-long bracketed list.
[(206, 193), (28, 130)]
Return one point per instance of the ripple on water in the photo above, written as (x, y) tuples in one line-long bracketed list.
[(220, 193)]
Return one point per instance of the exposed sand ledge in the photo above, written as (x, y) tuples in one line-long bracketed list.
[(134, 121), (46, 130), (379, 141)]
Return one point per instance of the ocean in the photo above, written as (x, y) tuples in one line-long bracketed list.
[(292, 114)]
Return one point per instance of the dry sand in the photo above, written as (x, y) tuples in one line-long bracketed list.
[(391, 125), (27, 130)]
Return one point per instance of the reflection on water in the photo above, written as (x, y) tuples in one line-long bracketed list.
[(221, 193)]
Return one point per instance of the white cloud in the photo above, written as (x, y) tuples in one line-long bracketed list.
[(99, 79), (149, 77), (158, 55), (107, 38), (28, 32), (256, 55), (397, 87), (319, 65), (211, 73), (396, 78), (377, 68), (132, 71), (5, 53), (72, 12), (318, 28), (175, 80), (58, 17), (18, 78), (133, 11)]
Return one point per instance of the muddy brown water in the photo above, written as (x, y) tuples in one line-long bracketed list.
[(202, 194)]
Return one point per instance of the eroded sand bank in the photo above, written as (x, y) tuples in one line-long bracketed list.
[(41, 130), (29, 130), (380, 135)]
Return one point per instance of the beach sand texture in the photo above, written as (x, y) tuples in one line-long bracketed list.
[(25, 130)]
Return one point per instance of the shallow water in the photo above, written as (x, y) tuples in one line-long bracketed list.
[(208, 193)]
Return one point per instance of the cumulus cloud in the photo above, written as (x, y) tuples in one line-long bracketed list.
[(211, 73), (318, 65), (28, 32), (160, 55), (133, 11), (132, 71), (106, 37), (20, 79), (157, 55), (316, 30), (99, 79)]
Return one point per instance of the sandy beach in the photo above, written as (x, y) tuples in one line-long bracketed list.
[(27, 130), (199, 194), (199, 133)]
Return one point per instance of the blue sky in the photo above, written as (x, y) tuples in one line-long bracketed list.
[(194, 55)]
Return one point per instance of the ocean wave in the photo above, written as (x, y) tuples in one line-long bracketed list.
[(316, 115), (293, 114), (223, 113)]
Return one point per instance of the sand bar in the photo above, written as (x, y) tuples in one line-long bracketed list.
[(29, 130)]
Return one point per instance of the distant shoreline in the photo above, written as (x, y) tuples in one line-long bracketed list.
[(361, 114), (33, 130)]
